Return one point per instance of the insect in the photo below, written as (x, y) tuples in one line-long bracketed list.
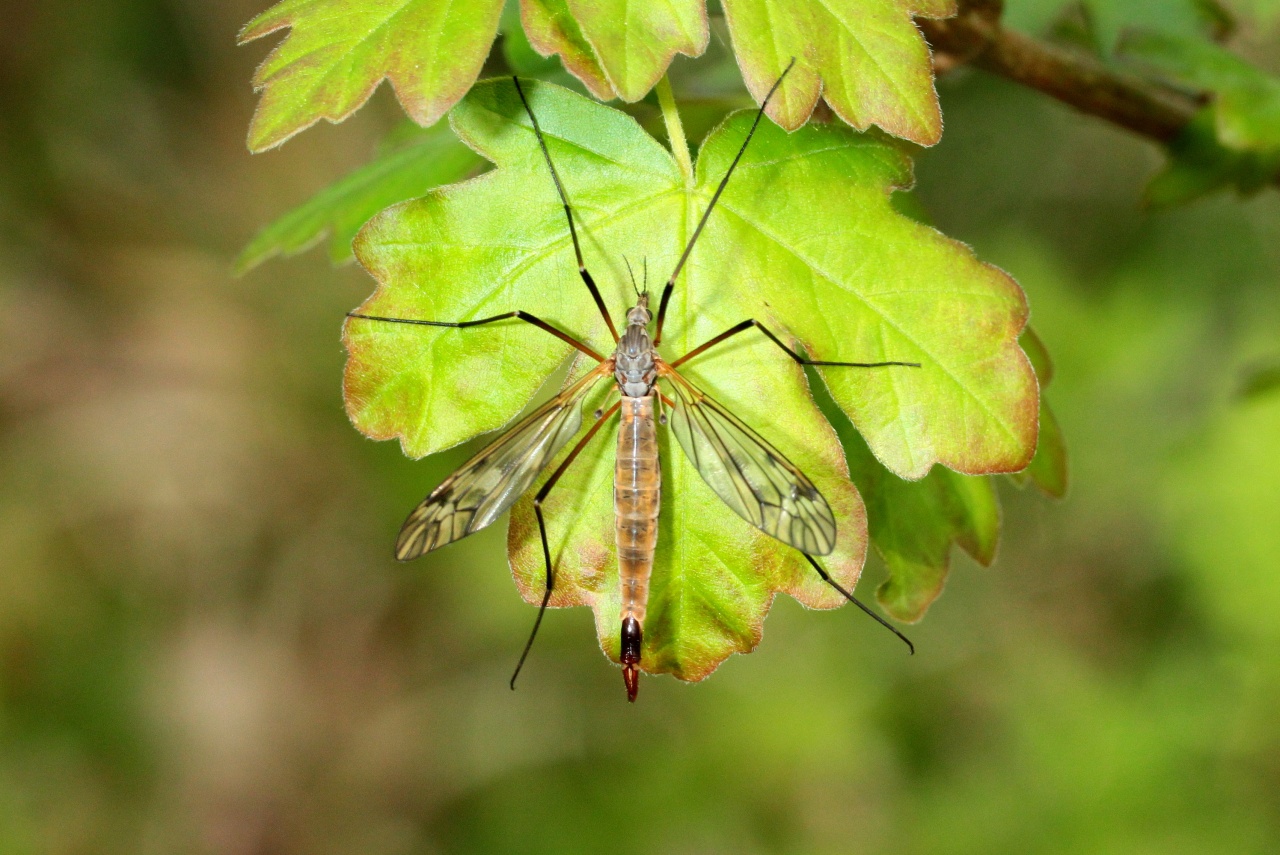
[(749, 474)]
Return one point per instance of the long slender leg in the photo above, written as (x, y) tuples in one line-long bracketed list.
[(518, 314), (542, 530), (748, 324), (851, 598), (568, 212), (684, 256)]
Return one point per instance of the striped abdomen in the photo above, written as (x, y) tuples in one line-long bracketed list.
[(637, 491)]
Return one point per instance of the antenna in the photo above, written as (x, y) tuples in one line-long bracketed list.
[(632, 274)]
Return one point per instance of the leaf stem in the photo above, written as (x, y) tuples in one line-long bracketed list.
[(675, 130)]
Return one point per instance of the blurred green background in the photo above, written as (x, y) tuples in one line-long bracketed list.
[(206, 647)]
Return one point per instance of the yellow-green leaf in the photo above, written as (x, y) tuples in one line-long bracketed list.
[(804, 239), (338, 51), (635, 40), (866, 58), (551, 29)]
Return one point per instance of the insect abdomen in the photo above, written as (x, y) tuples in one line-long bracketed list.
[(637, 492)]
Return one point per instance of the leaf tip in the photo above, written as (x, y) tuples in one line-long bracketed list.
[(249, 258), (265, 134), (263, 25), (910, 604)]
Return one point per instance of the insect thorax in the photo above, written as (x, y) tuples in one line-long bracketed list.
[(634, 365)]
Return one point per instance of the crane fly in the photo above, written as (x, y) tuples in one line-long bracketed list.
[(750, 475)]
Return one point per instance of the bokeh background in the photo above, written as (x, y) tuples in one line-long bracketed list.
[(205, 646)]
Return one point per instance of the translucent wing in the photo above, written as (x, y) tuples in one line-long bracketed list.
[(748, 473), (489, 483)]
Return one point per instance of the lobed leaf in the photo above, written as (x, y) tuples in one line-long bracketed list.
[(617, 48), (636, 41), (866, 58), (338, 51), (551, 29), (435, 157), (804, 239)]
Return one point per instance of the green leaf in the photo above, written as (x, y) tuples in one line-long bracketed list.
[(1041, 362), (913, 524), (715, 576), (1247, 99), (1048, 469), (1233, 143), (338, 51), (1199, 164), (804, 239), (551, 29), (434, 157), (617, 48), (865, 57), (636, 41), (521, 56), (1111, 19)]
